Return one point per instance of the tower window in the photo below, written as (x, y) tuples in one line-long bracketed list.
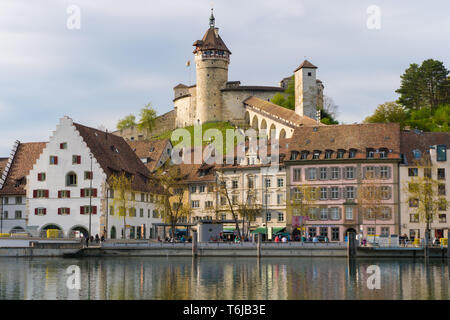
[(309, 74)]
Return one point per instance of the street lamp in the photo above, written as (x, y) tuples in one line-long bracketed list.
[(90, 197)]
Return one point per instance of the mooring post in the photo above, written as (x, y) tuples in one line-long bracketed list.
[(448, 245), (351, 245), (426, 249), (258, 246), (194, 244)]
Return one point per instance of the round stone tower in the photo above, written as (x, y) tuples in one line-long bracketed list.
[(211, 61)]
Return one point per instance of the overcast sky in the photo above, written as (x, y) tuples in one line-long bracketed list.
[(129, 53)]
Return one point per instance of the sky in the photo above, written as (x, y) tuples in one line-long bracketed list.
[(127, 54)]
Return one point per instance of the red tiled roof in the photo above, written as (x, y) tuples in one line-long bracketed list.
[(115, 156), (418, 140), (346, 137), (305, 64), (24, 159), (211, 41), (152, 150), (266, 107)]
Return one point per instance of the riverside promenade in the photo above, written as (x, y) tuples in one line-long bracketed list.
[(142, 248)]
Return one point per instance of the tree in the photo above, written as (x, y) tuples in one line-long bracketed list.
[(424, 197), (330, 110), (248, 211), (389, 112), (122, 196), (147, 118), (424, 86), (127, 122), (301, 203), (172, 206)]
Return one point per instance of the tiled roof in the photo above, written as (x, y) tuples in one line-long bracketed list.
[(253, 88), (287, 115), (3, 162), (418, 140), (306, 64), (24, 159), (211, 41), (346, 137), (151, 150), (115, 156)]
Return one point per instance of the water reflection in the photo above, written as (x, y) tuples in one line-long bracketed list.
[(222, 278)]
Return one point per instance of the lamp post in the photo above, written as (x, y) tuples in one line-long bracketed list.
[(1, 215), (90, 197)]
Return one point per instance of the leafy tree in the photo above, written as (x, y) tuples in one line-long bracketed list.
[(127, 122), (122, 196), (424, 86), (248, 211), (301, 203), (389, 112), (147, 118)]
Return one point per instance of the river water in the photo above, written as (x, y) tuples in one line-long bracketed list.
[(223, 278)]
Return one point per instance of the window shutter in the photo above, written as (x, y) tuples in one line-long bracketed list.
[(340, 213), (328, 177), (35, 211), (81, 210), (46, 193), (389, 172), (59, 211), (78, 159), (68, 194), (339, 173), (68, 210), (59, 194), (364, 172), (56, 160), (34, 193), (329, 193), (94, 193), (389, 192), (94, 210), (377, 172), (61, 146), (82, 193), (39, 177), (45, 211), (344, 193)]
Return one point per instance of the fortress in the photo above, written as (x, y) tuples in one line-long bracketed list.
[(214, 98)]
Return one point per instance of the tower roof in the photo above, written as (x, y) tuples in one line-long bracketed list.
[(306, 64), (211, 40)]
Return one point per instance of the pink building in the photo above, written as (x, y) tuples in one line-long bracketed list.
[(338, 162)]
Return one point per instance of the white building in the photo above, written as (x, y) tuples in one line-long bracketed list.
[(67, 187), (415, 145)]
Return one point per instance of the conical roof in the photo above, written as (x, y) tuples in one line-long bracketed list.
[(306, 64)]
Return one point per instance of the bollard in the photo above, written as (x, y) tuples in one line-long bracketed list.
[(194, 244), (258, 246), (351, 245)]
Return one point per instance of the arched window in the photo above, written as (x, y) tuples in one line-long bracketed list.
[(71, 179)]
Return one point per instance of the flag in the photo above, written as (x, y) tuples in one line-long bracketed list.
[(188, 63)]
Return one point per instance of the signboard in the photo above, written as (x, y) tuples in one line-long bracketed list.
[(269, 233)]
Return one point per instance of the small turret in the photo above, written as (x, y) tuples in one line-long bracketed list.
[(306, 90)]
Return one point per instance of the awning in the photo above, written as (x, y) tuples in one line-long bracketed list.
[(277, 229), (263, 230), (260, 230)]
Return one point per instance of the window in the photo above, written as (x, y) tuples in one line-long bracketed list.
[(323, 213), (234, 200), (349, 172), (280, 182), (323, 173), (349, 213), (370, 214), (88, 210), (312, 231), (18, 214), (334, 214), (64, 211), (297, 174), (304, 155), (7, 200), (441, 173), (76, 159), (88, 175), (323, 193), (223, 201), (413, 203), (193, 189), (268, 216), (385, 192), (370, 153), (54, 160), (413, 172), (280, 216), (267, 182), (208, 204), (334, 234), (427, 172), (142, 197), (18, 200), (41, 176), (328, 154), (384, 231), (298, 196), (371, 231), (441, 152), (294, 155), (311, 174), (370, 172), (323, 231), (111, 211), (155, 213), (195, 204), (223, 216), (87, 192), (251, 182), (267, 199), (386, 213), (441, 189), (234, 184), (132, 212), (334, 173), (71, 179), (384, 172), (280, 199), (63, 145), (316, 155), (383, 153), (442, 205), (340, 154), (334, 192), (442, 218), (352, 153), (40, 211), (413, 217), (40, 193), (350, 192), (416, 154), (201, 189), (64, 194)]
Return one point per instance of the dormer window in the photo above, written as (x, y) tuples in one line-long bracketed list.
[(316, 154), (340, 154), (304, 155), (294, 155), (416, 154), (352, 153), (328, 154), (383, 153), (370, 153)]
